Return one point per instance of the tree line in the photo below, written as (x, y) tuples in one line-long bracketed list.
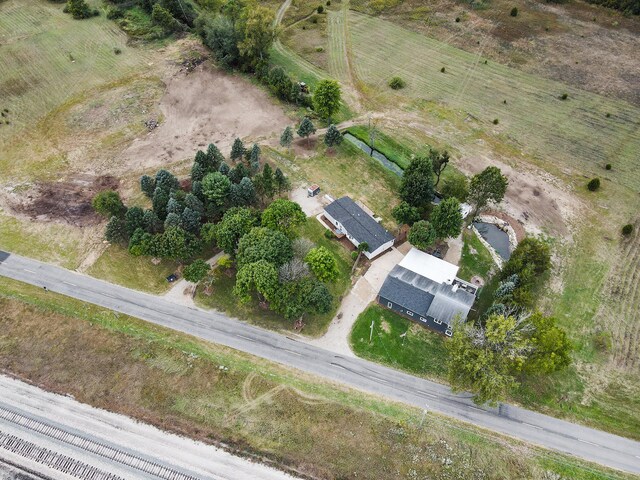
[(232, 209)]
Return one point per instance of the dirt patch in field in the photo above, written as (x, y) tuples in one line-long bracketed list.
[(204, 106), (67, 201)]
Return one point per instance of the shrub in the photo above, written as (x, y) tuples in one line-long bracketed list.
[(314, 19), (608, 166), (328, 234), (564, 96), (608, 115), (397, 83), (627, 229), (354, 255), (602, 341), (442, 69), (457, 19), (109, 204), (117, 51), (496, 121), (594, 184), (328, 3), (320, 9), (114, 13), (514, 12)]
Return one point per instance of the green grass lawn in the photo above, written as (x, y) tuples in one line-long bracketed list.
[(476, 259), (395, 151), (420, 352), (224, 300), (253, 407), (118, 266)]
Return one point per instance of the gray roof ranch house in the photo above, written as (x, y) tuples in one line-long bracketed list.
[(350, 219)]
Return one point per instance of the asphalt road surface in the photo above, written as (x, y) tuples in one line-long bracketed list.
[(587, 443)]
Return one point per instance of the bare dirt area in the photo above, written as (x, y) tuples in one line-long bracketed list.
[(204, 106), (587, 46), (67, 201)]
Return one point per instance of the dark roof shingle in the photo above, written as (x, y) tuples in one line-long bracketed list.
[(358, 223)]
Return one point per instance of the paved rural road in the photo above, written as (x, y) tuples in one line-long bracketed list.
[(587, 443)]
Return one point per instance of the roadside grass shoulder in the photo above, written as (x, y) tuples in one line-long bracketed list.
[(223, 299), (253, 407)]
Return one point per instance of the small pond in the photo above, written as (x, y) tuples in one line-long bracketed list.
[(495, 237), (374, 153)]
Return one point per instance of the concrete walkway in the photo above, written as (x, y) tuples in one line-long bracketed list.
[(182, 291), (361, 295)]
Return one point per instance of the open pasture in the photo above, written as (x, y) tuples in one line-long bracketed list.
[(583, 132), (46, 60)]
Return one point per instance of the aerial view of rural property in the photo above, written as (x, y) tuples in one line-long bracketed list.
[(319, 239)]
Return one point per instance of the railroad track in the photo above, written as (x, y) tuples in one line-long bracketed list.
[(70, 466)]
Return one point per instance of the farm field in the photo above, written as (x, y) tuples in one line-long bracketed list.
[(252, 407), (534, 119)]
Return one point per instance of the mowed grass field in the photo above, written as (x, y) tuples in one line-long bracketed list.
[(575, 132), (47, 59)]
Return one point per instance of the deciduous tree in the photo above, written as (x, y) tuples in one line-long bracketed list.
[(446, 218), (439, 161), (405, 214), (487, 186), (236, 223), (216, 188), (260, 276), (196, 271), (417, 183), (264, 244), (456, 187), (322, 264), (257, 34), (326, 98), (283, 215), (422, 235)]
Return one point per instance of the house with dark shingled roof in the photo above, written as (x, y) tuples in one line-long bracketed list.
[(358, 226), (425, 289)]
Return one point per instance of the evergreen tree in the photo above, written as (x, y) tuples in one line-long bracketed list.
[(282, 182), (224, 169), (163, 17), (194, 203), (417, 183), (147, 185), (265, 182), (238, 173), (306, 128), (190, 220), (333, 137), (152, 223), (196, 189), (172, 220), (243, 194), (166, 181), (254, 158), (214, 157), (447, 219), (287, 137), (134, 219), (116, 231), (237, 150), (197, 172), (109, 204), (174, 206), (216, 188), (159, 202)]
